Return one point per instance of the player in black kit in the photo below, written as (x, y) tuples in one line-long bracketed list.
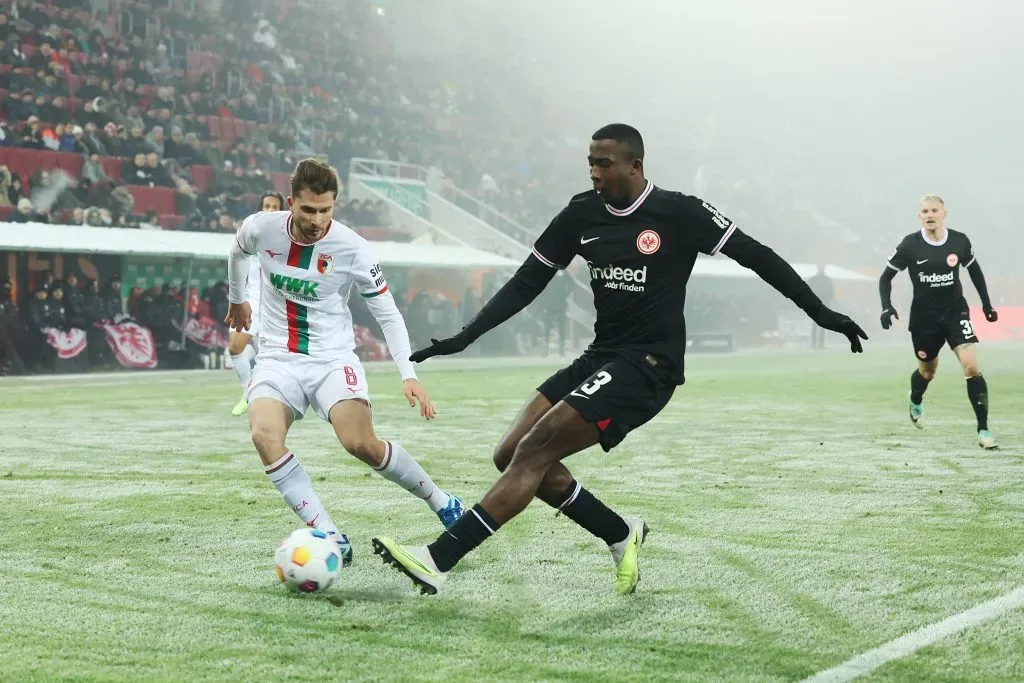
[(640, 243), (938, 314)]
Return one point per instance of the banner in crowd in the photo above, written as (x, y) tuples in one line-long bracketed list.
[(131, 343), (205, 332), (67, 343), (409, 194)]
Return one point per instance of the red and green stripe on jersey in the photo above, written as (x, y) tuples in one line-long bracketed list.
[(370, 295), (299, 256)]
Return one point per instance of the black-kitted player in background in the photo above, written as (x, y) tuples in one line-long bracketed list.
[(939, 314), (640, 243)]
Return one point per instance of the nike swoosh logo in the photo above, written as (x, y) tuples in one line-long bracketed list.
[(576, 393), (920, 262), (583, 241)]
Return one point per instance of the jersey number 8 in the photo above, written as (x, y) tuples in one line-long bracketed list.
[(351, 378)]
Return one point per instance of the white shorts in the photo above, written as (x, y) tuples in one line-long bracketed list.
[(299, 382)]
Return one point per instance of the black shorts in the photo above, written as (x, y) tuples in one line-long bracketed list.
[(931, 331), (616, 390)]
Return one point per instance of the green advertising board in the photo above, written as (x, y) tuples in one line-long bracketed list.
[(410, 194), (152, 271)]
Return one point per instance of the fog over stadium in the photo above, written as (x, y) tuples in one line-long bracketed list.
[(839, 113)]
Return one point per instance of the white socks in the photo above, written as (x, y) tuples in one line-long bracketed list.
[(294, 484), (243, 364), (402, 469)]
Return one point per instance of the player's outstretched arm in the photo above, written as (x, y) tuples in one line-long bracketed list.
[(885, 293), (774, 270), (978, 278), (396, 334), (529, 281)]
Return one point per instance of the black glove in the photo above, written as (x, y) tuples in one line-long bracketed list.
[(990, 314), (440, 347), (887, 316), (837, 322)]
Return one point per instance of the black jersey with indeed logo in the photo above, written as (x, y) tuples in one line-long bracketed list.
[(640, 259), (934, 269)]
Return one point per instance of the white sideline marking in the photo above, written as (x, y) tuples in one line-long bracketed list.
[(922, 637)]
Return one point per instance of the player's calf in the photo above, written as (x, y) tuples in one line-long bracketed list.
[(351, 420)]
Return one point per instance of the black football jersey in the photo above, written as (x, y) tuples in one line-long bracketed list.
[(934, 269), (640, 259)]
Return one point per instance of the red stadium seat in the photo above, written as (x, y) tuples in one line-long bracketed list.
[(112, 166), (159, 199), (282, 182), (213, 123), (70, 163), (227, 128), (5, 212), (202, 177)]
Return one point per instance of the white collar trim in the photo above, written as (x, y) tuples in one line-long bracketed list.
[(634, 206)]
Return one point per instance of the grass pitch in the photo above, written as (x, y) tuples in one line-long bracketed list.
[(798, 520)]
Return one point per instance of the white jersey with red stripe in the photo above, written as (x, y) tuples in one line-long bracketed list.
[(305, 289)]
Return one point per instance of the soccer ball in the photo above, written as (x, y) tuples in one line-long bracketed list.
[(307, 561)]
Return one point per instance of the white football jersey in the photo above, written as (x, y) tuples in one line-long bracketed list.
[(305, 287), (254, 283)]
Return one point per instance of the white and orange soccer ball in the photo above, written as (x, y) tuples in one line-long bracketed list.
[(308, 561)]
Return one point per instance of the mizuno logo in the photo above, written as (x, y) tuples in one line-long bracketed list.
[(272, 254), (584, 241)]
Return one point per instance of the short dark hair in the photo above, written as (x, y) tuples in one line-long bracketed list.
[(314, 175), (623, 134)]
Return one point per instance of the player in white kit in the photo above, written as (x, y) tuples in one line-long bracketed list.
[(309, 265), (242, 345)]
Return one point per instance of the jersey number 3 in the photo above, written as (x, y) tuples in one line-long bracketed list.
[(600, 379), (968, 328)]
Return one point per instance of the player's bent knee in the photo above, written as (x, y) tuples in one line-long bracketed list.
[(928, 374), (267, 439), (971, 369), (361, 447), (533, 449), (503, 455)]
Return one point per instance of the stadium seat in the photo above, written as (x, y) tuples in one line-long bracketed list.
[(112, 166), (70, 163), (227, 128), (202, 177), (282, 182), (159, 199), (5, 212), (213, 123)]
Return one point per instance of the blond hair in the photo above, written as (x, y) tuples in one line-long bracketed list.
[(932, 198)]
